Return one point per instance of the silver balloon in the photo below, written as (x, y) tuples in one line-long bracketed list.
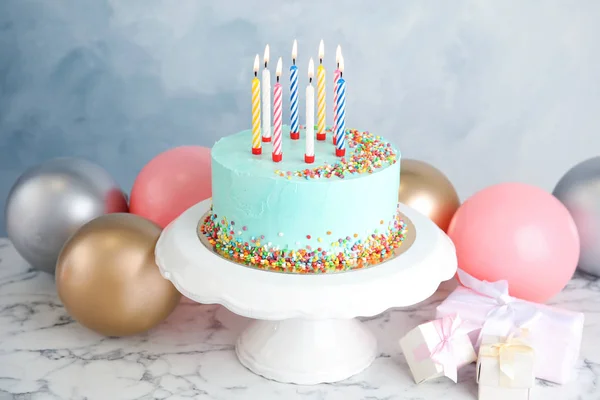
[(51, 201), (579, 191)]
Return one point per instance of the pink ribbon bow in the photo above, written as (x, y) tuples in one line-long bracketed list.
[(447, 328)]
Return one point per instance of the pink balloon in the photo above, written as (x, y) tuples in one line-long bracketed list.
[(519, 233), (171, 183)]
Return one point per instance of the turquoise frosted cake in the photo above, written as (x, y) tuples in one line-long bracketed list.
[(336, 214)]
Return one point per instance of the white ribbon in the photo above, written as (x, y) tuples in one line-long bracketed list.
[(506, 310)]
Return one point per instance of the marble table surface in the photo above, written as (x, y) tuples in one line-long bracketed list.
[(44, 354)]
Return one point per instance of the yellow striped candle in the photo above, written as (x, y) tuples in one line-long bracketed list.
[(256, 141), (321, 103)]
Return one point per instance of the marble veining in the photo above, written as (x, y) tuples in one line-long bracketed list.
[(44, 354)]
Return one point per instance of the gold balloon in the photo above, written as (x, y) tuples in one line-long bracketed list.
[(429, 191), (107, 279)]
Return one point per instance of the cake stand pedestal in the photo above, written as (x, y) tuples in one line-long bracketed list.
[(306, 331)]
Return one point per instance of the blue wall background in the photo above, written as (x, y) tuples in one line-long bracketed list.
[(486, 91)]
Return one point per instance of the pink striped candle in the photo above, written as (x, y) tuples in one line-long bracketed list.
[(336, 77), (277, 116)]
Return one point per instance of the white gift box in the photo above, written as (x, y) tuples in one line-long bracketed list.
[(438, 348), (505, 369), (554, 334)]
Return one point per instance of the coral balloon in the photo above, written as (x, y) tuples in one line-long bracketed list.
[(427, 190), (171, 183), (519, 233), (107, 279)]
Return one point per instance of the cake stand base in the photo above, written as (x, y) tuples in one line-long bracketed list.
[(307, 352)]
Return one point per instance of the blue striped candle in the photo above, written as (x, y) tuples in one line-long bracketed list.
[(340, 123), (294, 123)]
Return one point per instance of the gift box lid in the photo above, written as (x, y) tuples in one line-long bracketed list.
[(437, 348), (505, 362)]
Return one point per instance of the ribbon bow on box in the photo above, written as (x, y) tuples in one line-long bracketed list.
[(515, 363), (443, 353), (507, 311), (505, 353)]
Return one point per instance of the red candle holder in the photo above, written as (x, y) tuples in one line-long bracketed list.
[(294, 135), (257, 150), (266, 139), (340, 152), (277, 157), (321, 136), (309, 159)]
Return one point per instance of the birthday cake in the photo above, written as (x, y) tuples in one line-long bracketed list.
[(303, 206)]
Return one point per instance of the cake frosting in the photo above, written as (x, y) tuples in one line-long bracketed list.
[(333, 215)]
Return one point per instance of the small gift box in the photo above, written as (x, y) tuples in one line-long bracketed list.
[(505, 369), (438, 348), (555, 334)]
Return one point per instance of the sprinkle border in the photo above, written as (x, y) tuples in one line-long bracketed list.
[(353, 254)]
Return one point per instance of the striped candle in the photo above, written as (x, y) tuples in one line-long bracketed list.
[(321, 135), (277, 109), (256, 142), (336, 76), (294, 115), (340, 122)]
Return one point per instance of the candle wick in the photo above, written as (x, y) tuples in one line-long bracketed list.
[(338, 65), (309, 80), (255, 74), (294, 61), (341, 74), (320, 61), (277, 78), (265, 64)]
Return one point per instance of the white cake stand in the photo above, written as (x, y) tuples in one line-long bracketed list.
[(306, 331)]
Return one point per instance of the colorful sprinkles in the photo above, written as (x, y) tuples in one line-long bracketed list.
[(348, 253), (369, 152)]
